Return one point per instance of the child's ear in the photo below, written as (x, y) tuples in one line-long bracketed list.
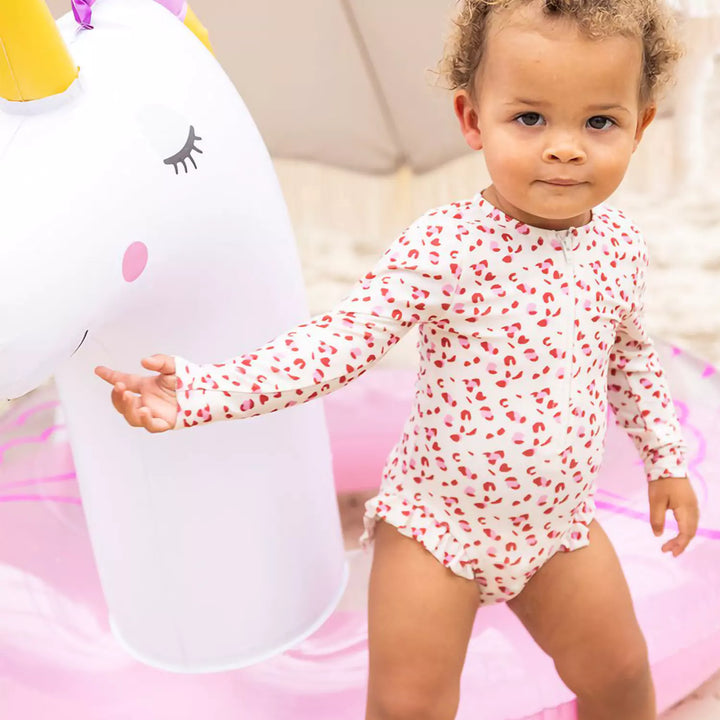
[(646, 117), (468, 117)]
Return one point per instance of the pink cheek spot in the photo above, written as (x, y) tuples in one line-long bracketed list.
[(135, 261)]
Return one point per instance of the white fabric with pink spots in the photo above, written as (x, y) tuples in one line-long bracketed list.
[(526, 335)]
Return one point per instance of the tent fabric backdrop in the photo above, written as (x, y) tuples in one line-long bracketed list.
[(349, 83), (344, 82)]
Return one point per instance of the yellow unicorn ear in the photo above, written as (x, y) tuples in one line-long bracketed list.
[(193, 23), (34, 60)]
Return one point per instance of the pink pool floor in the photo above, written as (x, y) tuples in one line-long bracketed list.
[(59, 660)]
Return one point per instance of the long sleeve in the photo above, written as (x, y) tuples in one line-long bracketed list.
[(413, 282), (638, 392)]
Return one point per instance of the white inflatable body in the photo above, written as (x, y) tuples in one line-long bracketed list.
[(141, 214)]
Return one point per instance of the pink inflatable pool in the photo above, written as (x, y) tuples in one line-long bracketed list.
[(59, 660)]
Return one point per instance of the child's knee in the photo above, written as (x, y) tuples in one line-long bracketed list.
[(415, 702), (617, 674)]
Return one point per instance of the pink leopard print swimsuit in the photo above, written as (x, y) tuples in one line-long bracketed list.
[(525, 336)]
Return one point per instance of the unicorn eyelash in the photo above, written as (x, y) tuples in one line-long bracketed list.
[(186, 152)]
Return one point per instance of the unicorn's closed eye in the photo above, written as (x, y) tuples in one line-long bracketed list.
[(140, 214)]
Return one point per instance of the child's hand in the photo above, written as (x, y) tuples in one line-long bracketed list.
[(674, 494), (154, 406)]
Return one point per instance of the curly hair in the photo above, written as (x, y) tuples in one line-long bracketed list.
[(648, 20)]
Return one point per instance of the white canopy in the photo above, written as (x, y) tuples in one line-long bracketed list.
[(349, 83), (343, 82)]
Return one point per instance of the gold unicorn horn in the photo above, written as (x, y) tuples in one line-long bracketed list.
[(34, 60), (193, 23)]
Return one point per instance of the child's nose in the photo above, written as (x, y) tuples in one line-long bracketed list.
[(565, 149)]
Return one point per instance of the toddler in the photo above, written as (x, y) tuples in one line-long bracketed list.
[(529, 302)]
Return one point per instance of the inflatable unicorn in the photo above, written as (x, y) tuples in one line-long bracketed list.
[(141, 212)]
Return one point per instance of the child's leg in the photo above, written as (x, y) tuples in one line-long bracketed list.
[(578, 609), (420, 619)]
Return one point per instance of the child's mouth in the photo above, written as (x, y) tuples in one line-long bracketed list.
[(562, 182)]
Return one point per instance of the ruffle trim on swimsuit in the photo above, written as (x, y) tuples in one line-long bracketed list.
[(417, 522), (578, 534)]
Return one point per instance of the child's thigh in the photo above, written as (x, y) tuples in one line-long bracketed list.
[(578, 609), (420, 617)]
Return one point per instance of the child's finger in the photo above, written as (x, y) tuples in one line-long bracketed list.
[(164, 364), (132, 408), (658, 508), (687, 519), (117, 397), (132, 382), (683, 540), (677, 545), (128, 405), (105, 373), (152, 424)]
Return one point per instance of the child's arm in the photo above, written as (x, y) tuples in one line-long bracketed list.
[(415, 281), (639, 395)]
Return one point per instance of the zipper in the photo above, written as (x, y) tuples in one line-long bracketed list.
[(570, 346)]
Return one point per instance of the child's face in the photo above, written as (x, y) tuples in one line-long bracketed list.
[(558, 116)]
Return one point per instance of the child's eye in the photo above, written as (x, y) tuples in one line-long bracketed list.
[(530, 119), (600, 122)]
